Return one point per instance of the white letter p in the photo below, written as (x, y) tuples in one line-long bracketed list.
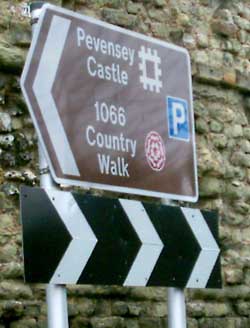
[(80, 35), (178, 115)]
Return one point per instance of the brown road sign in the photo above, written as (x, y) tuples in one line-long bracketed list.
[(112, 108)]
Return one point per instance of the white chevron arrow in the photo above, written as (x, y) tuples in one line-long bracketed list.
[(42, 88), (209, 248), (151, 247), (83, 240)]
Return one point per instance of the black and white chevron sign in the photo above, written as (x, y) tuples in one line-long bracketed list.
[(71, 238)]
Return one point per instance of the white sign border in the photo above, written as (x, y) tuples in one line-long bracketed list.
[(135, 191)]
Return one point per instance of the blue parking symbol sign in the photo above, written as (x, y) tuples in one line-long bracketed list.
[(177, 116)]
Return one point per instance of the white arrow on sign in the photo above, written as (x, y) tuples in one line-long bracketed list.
[(83, 240), (42, 88), (151, 247), (209, 248)]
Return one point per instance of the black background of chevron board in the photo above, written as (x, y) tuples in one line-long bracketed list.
[(118, 243), (45, 239), (181, 248), (212, 221)]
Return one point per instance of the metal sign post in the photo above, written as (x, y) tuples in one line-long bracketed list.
[(176, 301), (176, 308), (56, 295)]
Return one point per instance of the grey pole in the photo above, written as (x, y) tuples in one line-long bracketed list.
[(56, 295), (176, 308), (176, 301)]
